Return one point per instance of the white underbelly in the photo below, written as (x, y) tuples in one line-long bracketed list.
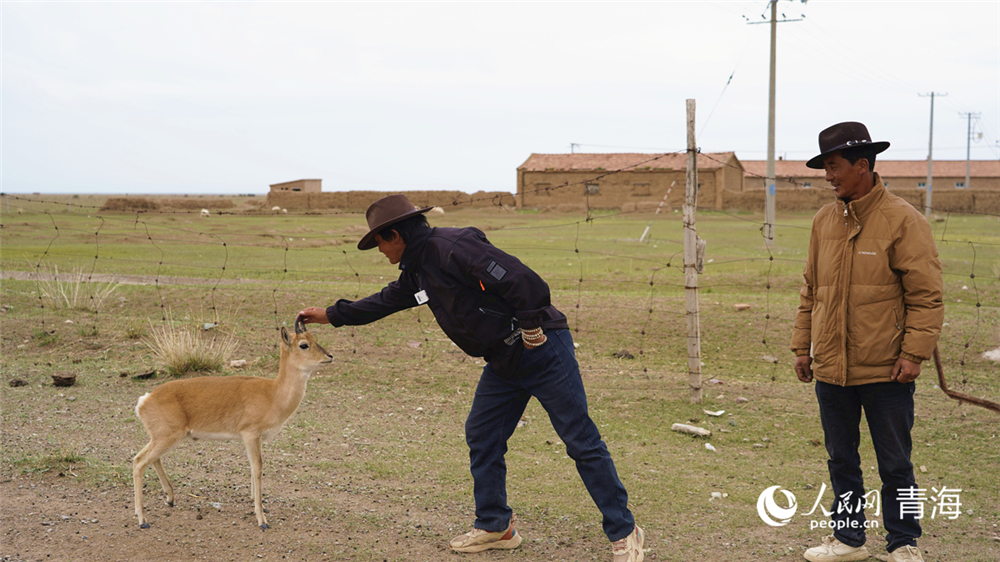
[(214, 436)]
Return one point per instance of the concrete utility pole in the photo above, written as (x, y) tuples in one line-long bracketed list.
[(930, 158), (770, 181), (691, 261), (968, 147)]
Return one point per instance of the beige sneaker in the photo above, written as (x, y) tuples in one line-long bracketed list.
[(478, 540), (629, 549), (832, 550), (906, 554)]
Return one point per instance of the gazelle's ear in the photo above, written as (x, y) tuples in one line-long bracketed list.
[(285, 337)]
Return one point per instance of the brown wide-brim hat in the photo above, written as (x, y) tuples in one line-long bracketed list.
[(842, 136), (385, 212)]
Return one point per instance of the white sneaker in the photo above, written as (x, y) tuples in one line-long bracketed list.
[(906, 554), (832, 550), (478, 540), (629, 549)]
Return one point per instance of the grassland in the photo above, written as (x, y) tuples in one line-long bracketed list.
[(373, 466)]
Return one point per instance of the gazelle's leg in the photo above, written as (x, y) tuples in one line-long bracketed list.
[(139, 464), (253, 446), (164, 482), (150, 454)]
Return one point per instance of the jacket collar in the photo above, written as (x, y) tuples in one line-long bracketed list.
[(414, 251), (864, 206)]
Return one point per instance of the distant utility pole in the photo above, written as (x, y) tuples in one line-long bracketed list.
[(968, 147), (930, 158), (769, 193), (573, 146)]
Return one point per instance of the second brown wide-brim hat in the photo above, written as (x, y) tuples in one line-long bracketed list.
[(384, 212), (842, 136)]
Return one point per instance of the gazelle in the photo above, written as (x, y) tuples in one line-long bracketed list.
[(249, 408)]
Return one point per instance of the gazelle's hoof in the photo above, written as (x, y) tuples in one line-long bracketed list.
[(171, 504), (144, 526), (265, 527)]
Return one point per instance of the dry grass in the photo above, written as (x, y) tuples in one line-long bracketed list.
[(183, 350), (72, 290)]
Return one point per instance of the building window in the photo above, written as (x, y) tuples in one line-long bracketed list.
[(960, 185), (640, 189), (542, 188), (921, 185), (591, 189)]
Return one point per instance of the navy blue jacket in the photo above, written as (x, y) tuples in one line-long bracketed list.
[(480, 295)]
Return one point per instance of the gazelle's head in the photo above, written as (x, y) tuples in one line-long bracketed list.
[(300, 351)]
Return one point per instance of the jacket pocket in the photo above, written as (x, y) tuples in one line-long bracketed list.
[(877, 337)]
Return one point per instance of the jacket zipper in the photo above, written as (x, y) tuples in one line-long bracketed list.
[(845, 283), (498, 315)]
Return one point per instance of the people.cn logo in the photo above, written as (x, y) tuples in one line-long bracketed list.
[(769, 510)]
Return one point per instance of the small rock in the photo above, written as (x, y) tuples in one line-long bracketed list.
[(758, 445), (624, 354), (741, 307), (716, 495), (238, 363), (742, 400), (715, 414), (413, 344), (693, 430), (715, 381), (63, 379), (68, 322), (144, 376), (208, 326), (17, 382), (709, 447), (77, 361), (923, 468)]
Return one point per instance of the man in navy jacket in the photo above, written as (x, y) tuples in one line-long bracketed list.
[(493, 306)]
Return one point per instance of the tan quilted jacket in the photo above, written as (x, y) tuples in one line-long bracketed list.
[(872, 290)]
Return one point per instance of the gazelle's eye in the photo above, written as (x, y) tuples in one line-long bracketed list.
[(303, 345)]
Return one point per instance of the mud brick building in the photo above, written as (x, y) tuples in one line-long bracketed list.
[(800, 187), (567, 181)]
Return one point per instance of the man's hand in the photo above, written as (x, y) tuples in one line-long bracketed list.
[(905, 371), (803, 368), (313, 315)]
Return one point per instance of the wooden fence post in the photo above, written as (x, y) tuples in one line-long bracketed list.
[(691, 261)]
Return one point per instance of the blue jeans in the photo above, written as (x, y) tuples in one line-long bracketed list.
[(888, 408), (551, 374)]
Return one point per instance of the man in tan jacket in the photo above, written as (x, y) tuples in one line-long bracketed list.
[(870, 314)]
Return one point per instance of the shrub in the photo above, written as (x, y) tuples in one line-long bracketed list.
[(182, 350), (67, 290)]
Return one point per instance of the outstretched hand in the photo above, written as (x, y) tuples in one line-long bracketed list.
[(312, 315)]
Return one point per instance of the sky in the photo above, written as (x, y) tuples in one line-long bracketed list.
[(229, 97)]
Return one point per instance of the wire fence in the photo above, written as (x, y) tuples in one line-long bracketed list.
[(642, 314)]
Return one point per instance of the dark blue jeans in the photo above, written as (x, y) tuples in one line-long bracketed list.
[(551, 374), (888, 408)]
